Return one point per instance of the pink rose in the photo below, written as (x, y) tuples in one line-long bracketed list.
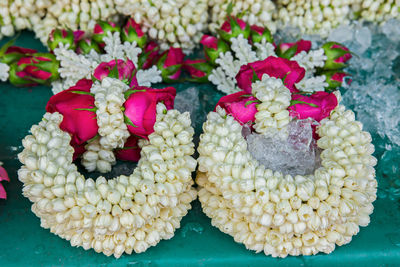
[(14, 53), (288, 50), (276, 67), (316, 106), (149, 56), (140, 108), (130, 151), (58, 36), (132, 32), (213, 47), (40, 68), (337, 55), (3, 177), (198, 69), (101, 29), (335, 79), (77, 107), (233, 27), (258, 33), (241, 106), (78, 35), (170, 64), (119, 69)]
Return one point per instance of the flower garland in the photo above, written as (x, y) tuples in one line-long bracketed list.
[(267, 210), (172, 24), (75, 55), (126, 213), (239, 43)]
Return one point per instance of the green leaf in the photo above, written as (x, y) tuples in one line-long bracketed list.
[(128, 93), (128, 121), (229, 9), (294, 102), (93, 138), (88, 109), (255, 77), (82, 93), (128, 147), (251, 102), (4, 48), (246, 95)]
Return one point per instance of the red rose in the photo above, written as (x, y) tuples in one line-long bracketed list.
[(14, 53), (240, 106), (132, 32), (77, 107), (170, 64), (337, 55), (289, 71), (213, 47), (317, 106), (140, 108), (3, 177), (258, 33), (119, 69), (233, 27), (149, 56), (198, 69), (130, 151), (288, 50)]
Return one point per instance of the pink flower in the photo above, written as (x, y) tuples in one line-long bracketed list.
[(316, 106), (288, 50), (232, 27), (170, 64), (258, 33), (77, 107), (198, 69), (213, 47), (150, 55), (130, 151), (119, 69), (337, 55), (40, 68), (132, 32), (241, 106), (14, 53), (101, 29), (335, 78), (140, 108), (58, 36), (78, 35), (281, 68), (3, 177)]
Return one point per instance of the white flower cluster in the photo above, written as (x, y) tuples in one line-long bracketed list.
[(178, 23), (228, 65), (108, 99), (321, 16), (124, 214), (272, 117), (258, 12), (4, 69), (74, 67), (280, 214)]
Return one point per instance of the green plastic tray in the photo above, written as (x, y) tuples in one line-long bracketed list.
[(24, 243)]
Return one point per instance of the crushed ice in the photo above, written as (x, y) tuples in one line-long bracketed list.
[(296, 155)]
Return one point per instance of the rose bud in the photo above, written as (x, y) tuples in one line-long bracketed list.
[(78, 35), (316, 106), (130, 151), (232, 28), (241, 106), (101, 29), (14, 53), (132, 32), (86, 45), (141, 108), (118, 69), (40, 68), (258, 33), (213, 47), (149, 56), (337, 55), (335, 79), (289, 71), (288, 50), (57, 36), (79, 114), (3, 177), (198, 69), (170, 64)]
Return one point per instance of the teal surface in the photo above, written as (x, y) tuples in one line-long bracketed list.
[(24, 243)]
